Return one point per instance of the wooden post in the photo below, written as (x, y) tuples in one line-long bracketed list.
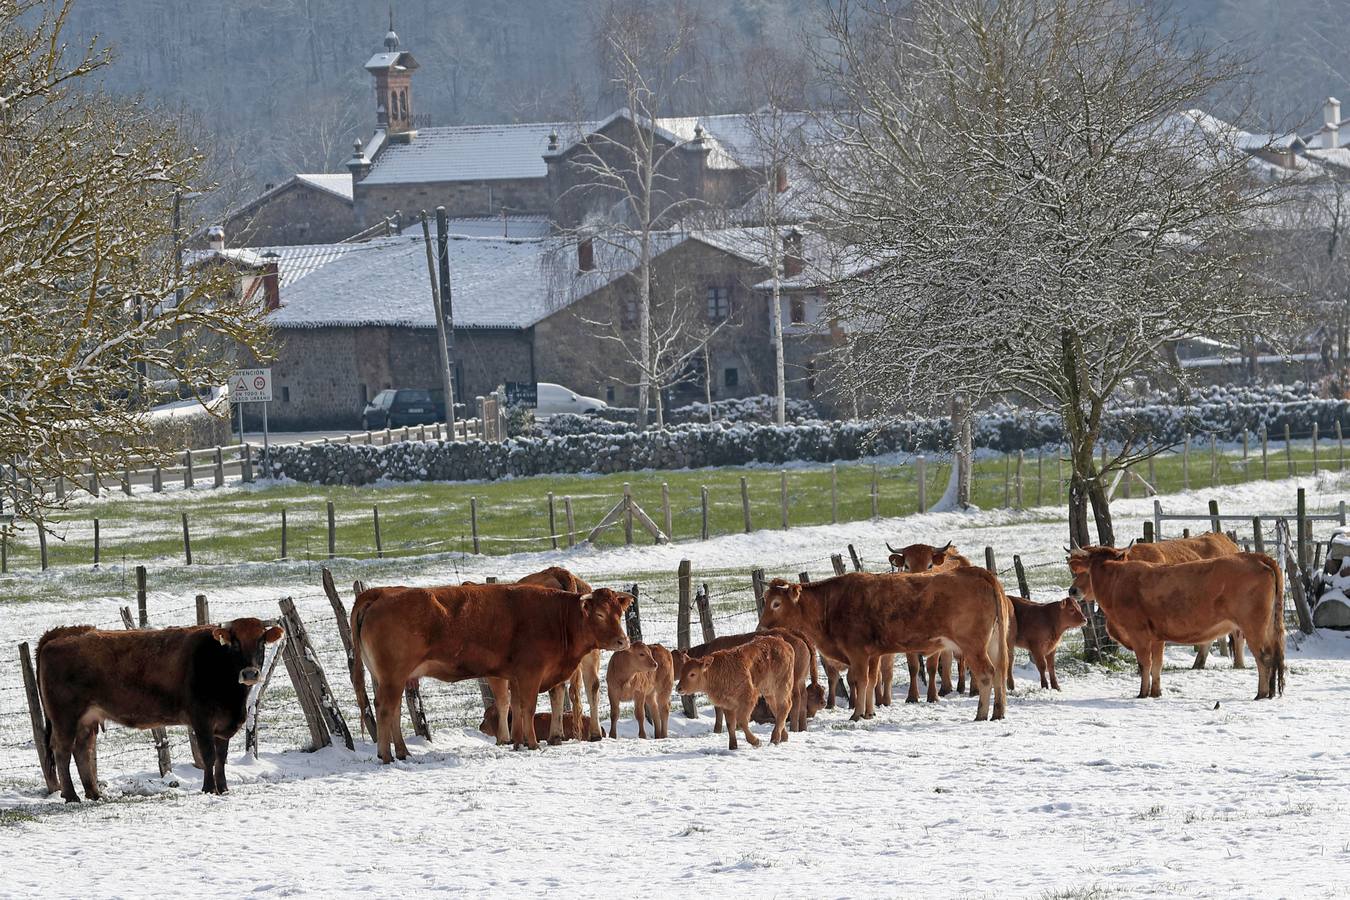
[(1258, 539), (783, 496), (344, 629), (685, 581), (203, 610), (1040, 476), (1148, 531), (246, 461), (704, 531), (187, 541), (1017, 479), (93, 483), (60, 487), (876, 499), (220, 468), (1157, 519), (1265, 454), (571, 523), (745, 504), (1127, 479), (283, 533), (332, 531), (921, 483), (834, 493), (4, 551), (1340, 447), (665, 511), (1289, 452), (126, 481), (1186, 464), (989, 560), (187, 468), (1215, 523), (1316, 467), (473, 522), (142, 613), (857, 563), (322, 713), (1213, 460), (632, 617), (804, 577), (552, 521), (38, 721), (627, 513), (1022, 586), (379, 544), (42, 542), (159, 735), (702, 604), (837, 561), (757, 585), (1007, 481), (97, 542), (1303, 529)]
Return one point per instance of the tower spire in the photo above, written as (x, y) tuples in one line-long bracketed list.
[(391, 39)]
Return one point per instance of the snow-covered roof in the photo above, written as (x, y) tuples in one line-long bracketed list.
[(501, 226), (339, 185), (391, 59), (467, 153)]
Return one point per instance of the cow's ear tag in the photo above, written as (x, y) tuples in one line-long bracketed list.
[(222, 635)]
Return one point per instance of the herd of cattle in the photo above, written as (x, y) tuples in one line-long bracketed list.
[(546, 633)]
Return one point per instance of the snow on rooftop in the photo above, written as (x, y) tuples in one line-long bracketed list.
[(334, 183), (468, 153)]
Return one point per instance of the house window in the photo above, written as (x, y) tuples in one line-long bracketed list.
[(797, 311), (630, 312), (719, 303), (285, 395), (730, 378), (609, 394), (811, 377)]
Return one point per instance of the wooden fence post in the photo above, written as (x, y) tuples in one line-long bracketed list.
[(379, 544), (1157, 519), (187, 541), (684, 578), (1316, 467), (745, 504), (38, 721), (203, 610), (142, 613), (311, 685), (187, 468), (1265, 454), (159, 735), (332, 531), (837, 561), (157, 480), (704, 493), (344, 629), (1215, 523), (97, 543), (1007, 480), (1289, 452), (1258, 539), (632, 617), (283, 533), (126, 481), (834, 493), (921, 482), (1213, 460), (665, 511), (857, 563), (552, 521), (1023, 588), (1303, 530), (1186, 464), (473, 522), (246, 462), (783, 496), (1059, 478), (4, 550), (571, 523), (627, 513), (93, 483), (219, 467), (989, 560), (702, 603), (757, 585), (804, 577)]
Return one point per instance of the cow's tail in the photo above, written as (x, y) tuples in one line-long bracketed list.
[(358, 665), (46, 719), (1277, 663)]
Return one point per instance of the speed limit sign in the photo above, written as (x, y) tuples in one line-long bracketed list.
[(251, 386)]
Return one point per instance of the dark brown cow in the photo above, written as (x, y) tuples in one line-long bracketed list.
[(1187, 603), (860, 616), (198, 677), (803, 667), (542, 723), (528, 638), (736, 677), (1040, 626), (1210, 545), (587, 675)]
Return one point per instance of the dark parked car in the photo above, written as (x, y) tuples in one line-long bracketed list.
[(396, 407)]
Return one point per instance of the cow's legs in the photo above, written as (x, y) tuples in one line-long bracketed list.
[(528, 691), (1201, 656), (961, 671), (556, 696), (982, 677), (61, 745), (998, 652), (222, 751), (859, 670), (1050, 664), (501, 699), (912, 663), (780, 706), (718, 718), (887, 678), (1143, 655), (663, 709), (731, 729), (1238, 642), (743, 715), (84, 759), (832, 680), (206, 744), (613, 713), (1263, 691), (639, 705), (931, 663), (574, 698), (943, 662), (388, 724), (1155, 687), (1042, 666)]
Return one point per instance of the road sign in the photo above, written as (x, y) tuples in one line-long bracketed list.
[(251, 386), (522, 393)]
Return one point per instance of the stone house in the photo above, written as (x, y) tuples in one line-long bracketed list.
[(304, 209)]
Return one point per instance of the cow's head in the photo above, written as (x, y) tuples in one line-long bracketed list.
[(602, 612), (246, 640), (640, 657), (815, 700), (782, 605), (1070, 615), (1080, 566), (693, 675), (919, 557)]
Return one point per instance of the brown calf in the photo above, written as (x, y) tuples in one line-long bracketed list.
[(1040, 626), (1187, 603), (631, 676), (803, 666), (658, 702), (815, 702), (860, 616), (520, 637), (198, 677), (542, 724), (736, 677)]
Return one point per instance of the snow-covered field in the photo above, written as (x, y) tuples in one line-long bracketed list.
[(1083, 793)]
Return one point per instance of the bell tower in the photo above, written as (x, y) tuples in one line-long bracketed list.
[(392, 70)]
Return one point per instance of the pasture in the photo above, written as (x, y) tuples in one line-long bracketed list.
[(1083, 793)]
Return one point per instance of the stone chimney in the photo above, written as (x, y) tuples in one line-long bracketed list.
[(215, 237), (586, 254), (793, 260), (393, 70), (780, 178), (1331, 123), (271, 278), (358, 165)]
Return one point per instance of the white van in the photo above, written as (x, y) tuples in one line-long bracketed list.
[(554, 398)]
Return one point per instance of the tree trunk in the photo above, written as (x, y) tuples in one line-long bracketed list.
[(1101, 510), (1078, 506), (644, 326), (962, 439), (776, 328), (707, 381)]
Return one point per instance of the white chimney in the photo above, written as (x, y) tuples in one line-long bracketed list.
[(1331, 123), (215, 237)]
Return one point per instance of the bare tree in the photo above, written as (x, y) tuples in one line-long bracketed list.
[(1042, 214), (93, 303)]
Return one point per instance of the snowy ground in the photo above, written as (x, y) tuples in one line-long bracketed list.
[(1085, 793)]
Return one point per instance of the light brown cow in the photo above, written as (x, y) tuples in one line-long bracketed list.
[(528, 638), (1040, 626), (658, 703), (803, 666), (860, 616), (1187, 603), (736, 677), (631, 676), (1210, 545), (587, 675)]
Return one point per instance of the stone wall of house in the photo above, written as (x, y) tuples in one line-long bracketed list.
[(299, 214), (521, 196), (322, 377)]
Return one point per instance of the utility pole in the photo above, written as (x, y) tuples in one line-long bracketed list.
[(441, 328), (447, 313)]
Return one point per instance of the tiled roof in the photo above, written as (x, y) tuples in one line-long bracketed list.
[(339, 185), (468, 153)]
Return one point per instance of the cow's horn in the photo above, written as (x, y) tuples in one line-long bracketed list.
[(585, 597), (890, 548), (949, 546)]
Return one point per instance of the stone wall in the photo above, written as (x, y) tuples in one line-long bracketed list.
[(299, 214), (521, 196)]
